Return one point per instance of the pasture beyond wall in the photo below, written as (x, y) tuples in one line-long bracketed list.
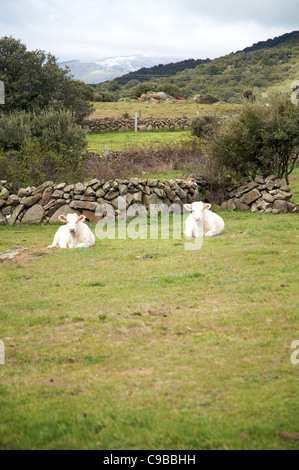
[(46, 202)]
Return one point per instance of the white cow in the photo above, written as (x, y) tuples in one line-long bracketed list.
[(202, 222), (75, 234)]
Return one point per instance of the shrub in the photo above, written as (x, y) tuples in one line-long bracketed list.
[(52, 129), (32, 165), (205, 126), (14, 130), (261, 140), (57, 130)]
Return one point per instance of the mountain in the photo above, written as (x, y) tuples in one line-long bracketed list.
[(108, 68), (266, 68)]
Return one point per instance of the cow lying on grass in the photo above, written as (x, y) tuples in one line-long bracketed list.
[(202, 222), (75, 234)]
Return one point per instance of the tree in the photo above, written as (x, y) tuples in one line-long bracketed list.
[(262, 140), (33, 80)]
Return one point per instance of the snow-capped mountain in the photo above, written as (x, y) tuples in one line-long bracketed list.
[(111, 67)]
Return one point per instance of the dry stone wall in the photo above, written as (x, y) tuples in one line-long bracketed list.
[(144, 124), (265, 195), (46, 202)]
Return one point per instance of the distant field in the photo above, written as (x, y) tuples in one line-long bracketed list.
[(179, 108), (117, 141)]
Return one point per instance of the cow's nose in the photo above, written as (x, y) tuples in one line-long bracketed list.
[(197, 218), (72, 230)]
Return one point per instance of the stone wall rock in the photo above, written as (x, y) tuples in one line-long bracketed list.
[(46, 202), (262, 195), (144, 124)]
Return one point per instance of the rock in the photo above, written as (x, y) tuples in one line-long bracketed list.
[(251, 196), (161, 194), (2, 203), (283, 195), (69, 188), (4, 193), (89, 192), (6, 210), (111, 195), (279, 182), (119, 203), (46, 196), (42, 187), (259, 179), (152, 183), (91, 216), (16, 212), (267, 197), (241, 206), (57, 194), (79, 188), (100, 192), (90, 206), (3, 219), (280, 206), (60, 186), (270, 178), (13, 200), (151, 199), (34, 215), (24, 192), (31, 200), (123, 189), (57, 204), (63, 210)]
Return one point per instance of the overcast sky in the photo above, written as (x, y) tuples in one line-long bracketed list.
[(91, 29)]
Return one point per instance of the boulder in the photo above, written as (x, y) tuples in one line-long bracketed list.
[(34, 215), (250, 197), (31, 200), (63, 210)]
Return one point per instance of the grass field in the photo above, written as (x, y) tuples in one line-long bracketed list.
[(179, 108), (140, 344), (117, 141)]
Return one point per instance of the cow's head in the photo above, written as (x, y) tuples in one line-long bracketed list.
[(72, 221), (197, 209)]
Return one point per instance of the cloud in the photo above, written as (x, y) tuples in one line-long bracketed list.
[(72, 29)]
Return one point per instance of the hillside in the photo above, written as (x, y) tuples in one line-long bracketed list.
[(267, 67)]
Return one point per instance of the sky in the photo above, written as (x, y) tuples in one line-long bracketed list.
[(92, 29)]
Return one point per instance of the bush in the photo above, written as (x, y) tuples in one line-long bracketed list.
[(205, 126), (52, 129), (261, 140), (57, 130), (32, 165), (14, 130)]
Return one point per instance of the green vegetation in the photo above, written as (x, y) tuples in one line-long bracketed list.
[(34, 81), (260, 140), (267, 68), (139, 344), (118, 141)]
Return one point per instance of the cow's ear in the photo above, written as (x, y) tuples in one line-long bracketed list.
[(62, 218), (206, 206), (188, 207), (82, 218)]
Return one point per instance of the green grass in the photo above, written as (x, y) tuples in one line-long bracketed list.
[(140, 344), (117, 141), (176, 109)]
